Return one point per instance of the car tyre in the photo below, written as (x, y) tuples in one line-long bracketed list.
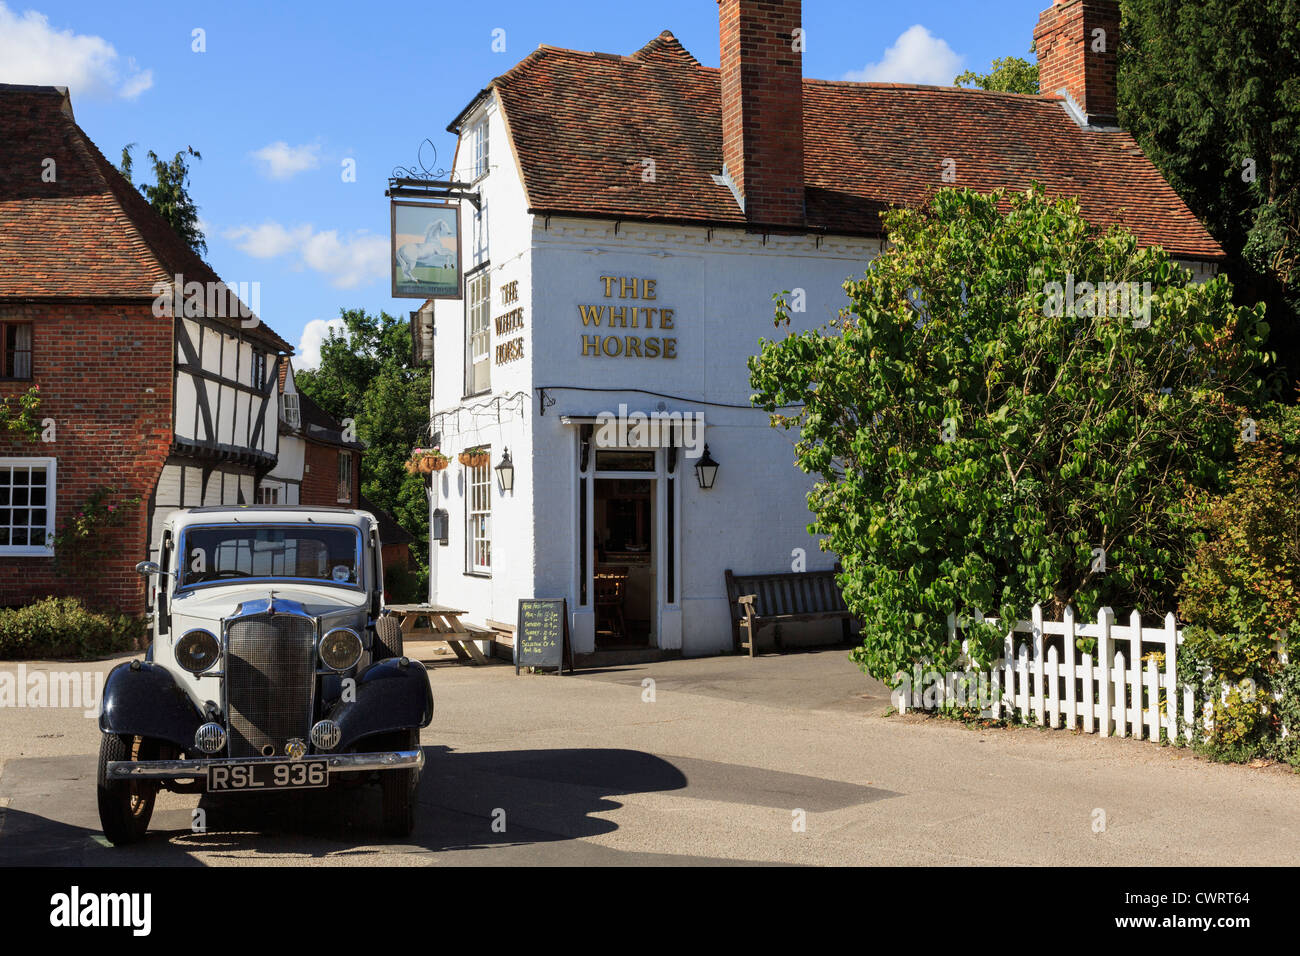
[(389, 638), (400, 788), (125, 806)]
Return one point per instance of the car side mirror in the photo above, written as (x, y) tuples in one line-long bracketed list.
[(150, 567)]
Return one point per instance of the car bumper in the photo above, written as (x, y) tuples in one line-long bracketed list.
[(187, 769)]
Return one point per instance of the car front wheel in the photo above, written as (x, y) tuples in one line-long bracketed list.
[(125, 806)]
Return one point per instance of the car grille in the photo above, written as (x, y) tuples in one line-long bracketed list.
[(270, 676)]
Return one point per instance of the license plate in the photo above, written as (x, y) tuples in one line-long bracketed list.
[(285, 775)]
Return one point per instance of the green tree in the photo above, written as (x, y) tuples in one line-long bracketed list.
[(169, 194), (1211, 91), (1010, 74), (1241, 589), (976, 437), (365, 374)]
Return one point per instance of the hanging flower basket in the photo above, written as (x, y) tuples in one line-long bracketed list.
[(474, 457), (424, 461)]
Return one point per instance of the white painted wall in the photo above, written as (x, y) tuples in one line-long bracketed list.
[(719, 288), (501, 236)]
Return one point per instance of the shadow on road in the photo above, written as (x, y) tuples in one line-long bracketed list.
[(467, 801)]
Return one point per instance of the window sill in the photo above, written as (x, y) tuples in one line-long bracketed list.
[(26, 552), (486, 391), (477, 574)]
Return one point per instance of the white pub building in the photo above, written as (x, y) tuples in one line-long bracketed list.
[(636, 215)]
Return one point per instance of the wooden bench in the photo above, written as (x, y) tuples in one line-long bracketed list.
[(757, 600), (503, 640)]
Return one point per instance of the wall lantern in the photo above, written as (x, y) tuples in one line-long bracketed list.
[(706, 469), (438, 525), (506, 473)]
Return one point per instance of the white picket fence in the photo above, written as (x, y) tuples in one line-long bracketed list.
[(1117, 693)]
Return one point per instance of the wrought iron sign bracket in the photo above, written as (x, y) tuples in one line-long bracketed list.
[(443, 189)]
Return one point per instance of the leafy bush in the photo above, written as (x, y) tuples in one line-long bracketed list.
[(57, 627), (977, 436), (1240, 597)]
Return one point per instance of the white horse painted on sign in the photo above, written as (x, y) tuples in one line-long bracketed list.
[(430, 252)]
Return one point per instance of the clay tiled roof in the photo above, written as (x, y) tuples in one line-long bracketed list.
[(582, 124), (88, 234)]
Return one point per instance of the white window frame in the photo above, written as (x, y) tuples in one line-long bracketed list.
[(478, 137), (51, 503), (267, 495), (291, 410), (478, 519), (345, 477), (478, 332)]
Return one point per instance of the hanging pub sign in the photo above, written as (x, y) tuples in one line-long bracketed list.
[(426, 261)]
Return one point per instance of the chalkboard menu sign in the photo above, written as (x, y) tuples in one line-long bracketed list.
[(542, 637)]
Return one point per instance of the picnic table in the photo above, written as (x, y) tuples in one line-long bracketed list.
[(426, 625)]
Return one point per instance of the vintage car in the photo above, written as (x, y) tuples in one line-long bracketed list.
[(273, 667)]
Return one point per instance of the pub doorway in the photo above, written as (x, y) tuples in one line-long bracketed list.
[(625, 582)]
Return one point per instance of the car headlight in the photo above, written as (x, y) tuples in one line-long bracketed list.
[(340, 648), (198, 650)]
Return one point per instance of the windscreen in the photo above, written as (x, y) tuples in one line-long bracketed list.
[(229, 552)]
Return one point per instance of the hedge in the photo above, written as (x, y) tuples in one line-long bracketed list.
[(62, 627)]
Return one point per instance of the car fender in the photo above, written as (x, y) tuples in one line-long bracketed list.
[(143, 699), (390, 695)]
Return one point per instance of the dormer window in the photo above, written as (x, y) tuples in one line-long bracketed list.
[(479, 149), (290, 412)]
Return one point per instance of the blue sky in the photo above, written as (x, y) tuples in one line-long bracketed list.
[(285, 92)]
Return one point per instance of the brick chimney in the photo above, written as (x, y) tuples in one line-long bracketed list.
[(762, 108), (1076, 42)]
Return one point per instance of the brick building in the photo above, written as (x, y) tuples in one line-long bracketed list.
[(152, 390)]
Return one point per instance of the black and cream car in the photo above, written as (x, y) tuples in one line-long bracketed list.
[(272, 668)]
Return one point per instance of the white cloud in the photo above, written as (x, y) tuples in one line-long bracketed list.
[(32, 51), (348, 261), (283, 161), (917, 56), (314, 334), (268, 240), (137, 82)]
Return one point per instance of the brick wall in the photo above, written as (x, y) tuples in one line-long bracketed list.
[(320, 477), (762, 107), (1070, 54), (94, 363)]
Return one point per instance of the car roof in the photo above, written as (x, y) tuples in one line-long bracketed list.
[(271, 514)]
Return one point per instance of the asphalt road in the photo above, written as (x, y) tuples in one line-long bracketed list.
[(720, 767)]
